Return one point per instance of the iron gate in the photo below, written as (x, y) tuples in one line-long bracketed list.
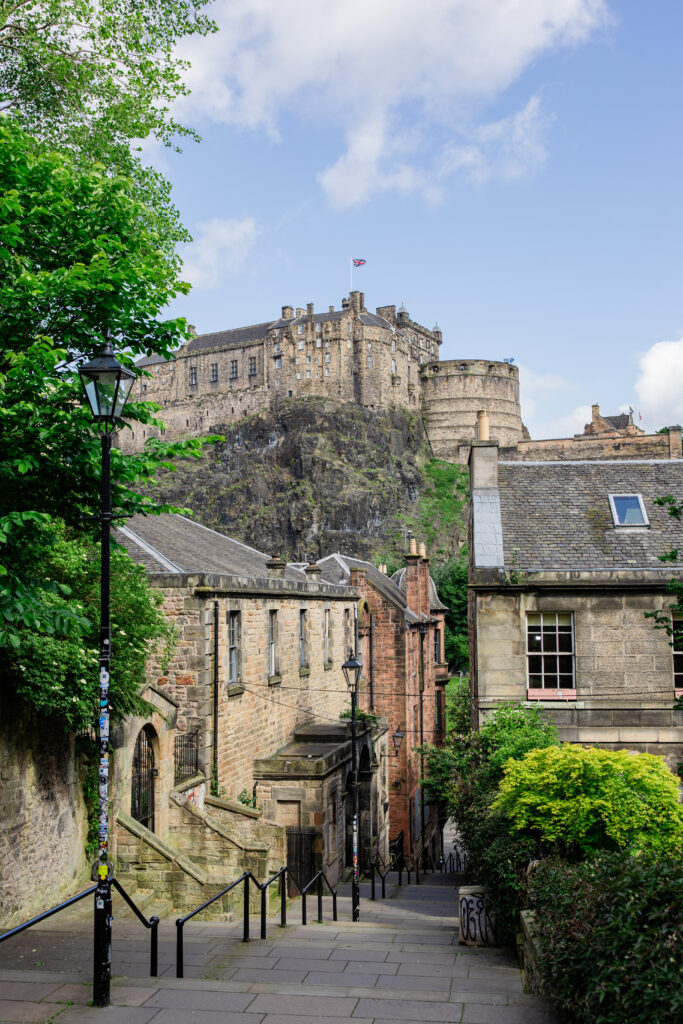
[(300, 856), (142, 785)]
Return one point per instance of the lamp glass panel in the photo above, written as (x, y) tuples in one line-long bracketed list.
[(124, 391)]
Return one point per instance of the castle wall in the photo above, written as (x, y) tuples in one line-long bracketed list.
[(590, 446), (454, 391)]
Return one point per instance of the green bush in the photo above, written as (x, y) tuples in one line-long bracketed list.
[(577, 799), (611, 934)]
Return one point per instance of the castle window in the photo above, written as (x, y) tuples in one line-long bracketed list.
[(348, 343), (308, 374), (318, 328), (298, 376), (252, 366), (143, 385), (276, 347), (300, 329), (393, 366), (193, 376), (370, 363), (327, 371), (327, 344), (393, 344), (318, 342), (308, 359), (278, 363), (301, 344), (462, 366), (328, 357), (233, 369), (628, 510), (214, 372), (369, 346)]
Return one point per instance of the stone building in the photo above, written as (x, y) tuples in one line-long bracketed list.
[(564, 566), (249, 712), (400, 642), (379, 360)]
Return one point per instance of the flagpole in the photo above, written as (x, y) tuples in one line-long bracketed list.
[(350, 275)]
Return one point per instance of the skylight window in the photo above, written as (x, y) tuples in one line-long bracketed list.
[(628, 510)]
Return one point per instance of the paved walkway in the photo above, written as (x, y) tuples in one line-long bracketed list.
[(400, 963)]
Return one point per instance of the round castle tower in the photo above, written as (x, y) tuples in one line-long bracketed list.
[(454, 391)]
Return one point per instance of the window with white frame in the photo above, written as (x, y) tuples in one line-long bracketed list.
[(327, 357), (628, 510), (550, 650), (677, 644), (298, 376), (308, 374), (370, 363), (233, 369), (303, 657), (214, 373), (278, 363), (272, 643), (327, 371), (300, 329), (393, 366), (233, 647), (318, 342), (193, 376), (300, 343)]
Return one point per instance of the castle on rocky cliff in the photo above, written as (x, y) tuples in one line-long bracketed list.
[(378, 360), (382, 360)]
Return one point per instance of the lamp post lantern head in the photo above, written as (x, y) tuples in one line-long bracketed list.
[(397, 739), (107, 385), (352, 670)]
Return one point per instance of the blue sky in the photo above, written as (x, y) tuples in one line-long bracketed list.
[(508, 168)]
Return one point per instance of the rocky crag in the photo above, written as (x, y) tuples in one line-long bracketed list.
[(309, 477)]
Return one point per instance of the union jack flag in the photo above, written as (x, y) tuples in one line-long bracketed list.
[(359, 263)]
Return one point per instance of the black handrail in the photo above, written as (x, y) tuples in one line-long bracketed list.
[(48, 913), (319, 877), (153, 922)]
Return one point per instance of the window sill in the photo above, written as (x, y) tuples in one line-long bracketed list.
[(274, 680), (235, 689), (328, 665), (304, 671), (538, 694)]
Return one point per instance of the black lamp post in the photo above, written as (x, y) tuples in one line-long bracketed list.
[(107, 385), (352, 670)]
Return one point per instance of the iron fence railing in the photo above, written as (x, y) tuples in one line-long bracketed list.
[(186, 755)]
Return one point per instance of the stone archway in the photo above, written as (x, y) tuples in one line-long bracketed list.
[(143, 776)]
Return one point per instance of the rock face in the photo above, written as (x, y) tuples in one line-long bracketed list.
[(309, 477)]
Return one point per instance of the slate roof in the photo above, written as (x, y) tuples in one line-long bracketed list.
[(435, 603), (557, 514), (619, 422), (227, 339), (152, 360), (175, 544), (337, 569)]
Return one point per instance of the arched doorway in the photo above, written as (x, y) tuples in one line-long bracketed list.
[(142, 781)]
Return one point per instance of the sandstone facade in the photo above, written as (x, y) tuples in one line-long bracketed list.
[(380, 360), (558, 595)]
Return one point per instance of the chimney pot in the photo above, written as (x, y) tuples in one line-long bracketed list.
[(413, 546), (483, 425), (423, 551)]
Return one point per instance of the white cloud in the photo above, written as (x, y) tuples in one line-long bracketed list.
[(220, 248), (660, 384), (373, 70), (539, 399)]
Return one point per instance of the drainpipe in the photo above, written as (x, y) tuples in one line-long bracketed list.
[(214, 785), (371, 667)]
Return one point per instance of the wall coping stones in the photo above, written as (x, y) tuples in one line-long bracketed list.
[(150, 839), (216, 826), (233, 805)]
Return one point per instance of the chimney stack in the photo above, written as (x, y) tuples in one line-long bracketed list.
[(287, 312), (276, 568), (313, 572)]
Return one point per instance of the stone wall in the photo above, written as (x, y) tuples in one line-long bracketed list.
[(455, 390), (587, 446), (624, 667), (43, 820)]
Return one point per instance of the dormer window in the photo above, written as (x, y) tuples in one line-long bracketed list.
[(628, 510)]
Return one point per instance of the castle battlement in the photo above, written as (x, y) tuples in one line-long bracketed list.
[(379, 360)]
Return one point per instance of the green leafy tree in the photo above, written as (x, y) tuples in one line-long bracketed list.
[(577, 799), (79, 252), (451, 584)]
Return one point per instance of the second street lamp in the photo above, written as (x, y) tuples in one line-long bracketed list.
[(107, 386), (352, 670)]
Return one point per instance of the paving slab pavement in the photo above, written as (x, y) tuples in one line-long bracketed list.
[(400, 963)]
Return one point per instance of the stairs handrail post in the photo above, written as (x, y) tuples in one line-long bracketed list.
[(372, 881), (154, 947), (283, 898), (264, 893), (179, 949), (245, 915), (320, 899), (303, 908)]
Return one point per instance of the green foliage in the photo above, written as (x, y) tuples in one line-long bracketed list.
[(664, 619), (361, 716), (246, 798), (451, 584), (577, 799), (439, 516), (58, 674), (611, 932), (458, 706), (89, 751), (463, 777), (78, 252)]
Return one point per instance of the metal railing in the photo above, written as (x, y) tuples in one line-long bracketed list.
[(318, 880), (186, 755), (152, 923)]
